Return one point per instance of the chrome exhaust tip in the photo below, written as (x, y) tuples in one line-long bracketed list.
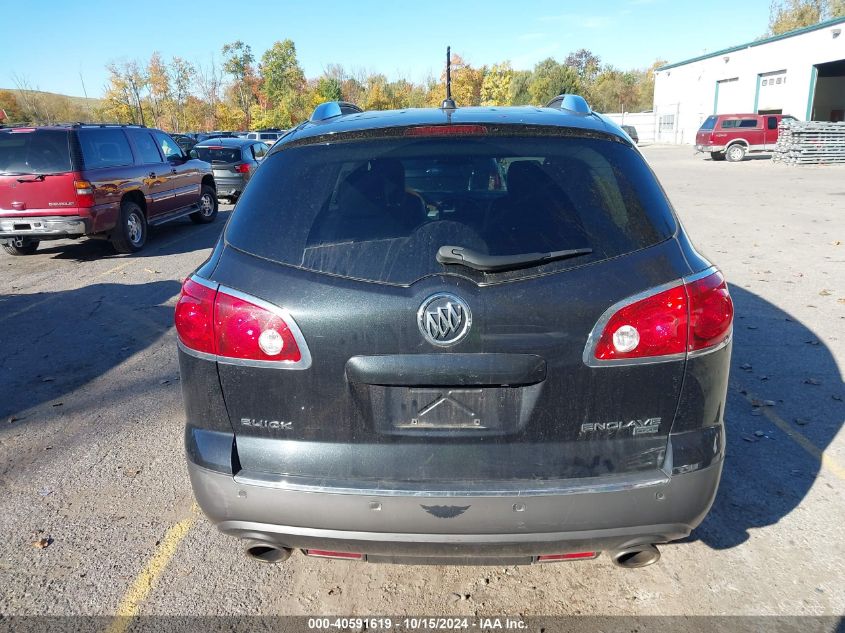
[(266, 552), (636, 556)]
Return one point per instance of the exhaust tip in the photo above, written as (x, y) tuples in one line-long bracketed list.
[(638, 556), (266, 552)]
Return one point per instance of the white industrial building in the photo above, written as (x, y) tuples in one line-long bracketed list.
[(801, 73)]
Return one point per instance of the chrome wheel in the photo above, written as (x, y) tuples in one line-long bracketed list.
[(206, 205), (736, 153), (135, 229)]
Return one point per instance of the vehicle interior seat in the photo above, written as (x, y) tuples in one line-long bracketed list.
[(536, 211)]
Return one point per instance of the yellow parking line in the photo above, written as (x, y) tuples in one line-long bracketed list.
[(28, 307), (116, 268), (799, 438), (146, 580)]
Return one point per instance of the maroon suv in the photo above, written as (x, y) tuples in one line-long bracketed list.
[(66, 181)]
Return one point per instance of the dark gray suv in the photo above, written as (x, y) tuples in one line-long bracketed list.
[(455, 335)]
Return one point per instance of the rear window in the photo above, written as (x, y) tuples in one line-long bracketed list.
[(219, 154), (104, 148), (741, 123), (35, 152), (709, 123), (379, 210)]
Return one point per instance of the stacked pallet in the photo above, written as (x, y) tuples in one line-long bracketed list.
[(810, 142)]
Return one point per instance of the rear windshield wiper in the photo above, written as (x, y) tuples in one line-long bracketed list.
[(493, 263), (35, 178)]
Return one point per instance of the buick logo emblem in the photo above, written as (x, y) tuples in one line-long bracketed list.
[(444, 319)]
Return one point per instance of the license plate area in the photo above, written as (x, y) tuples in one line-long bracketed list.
[(452, 411)]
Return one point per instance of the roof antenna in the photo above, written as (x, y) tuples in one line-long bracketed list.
[(448, 103)]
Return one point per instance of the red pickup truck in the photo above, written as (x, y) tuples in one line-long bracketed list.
[(732, 136)]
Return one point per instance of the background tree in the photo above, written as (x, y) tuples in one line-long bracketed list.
[(788, 15), (519, 93), (9, 103), (550, 79), (237, 62), (585, 64), (182, 76), (158, 88), (496, 85)]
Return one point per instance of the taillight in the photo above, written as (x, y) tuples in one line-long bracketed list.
[(242, 168), (693, 316), (711, 312), (84, 193), (235, 328)]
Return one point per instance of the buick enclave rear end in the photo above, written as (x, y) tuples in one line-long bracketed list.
[(468, 336)]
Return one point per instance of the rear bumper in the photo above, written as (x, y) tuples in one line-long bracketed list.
[(709, 148), (229, 186), (44, 226), (589, 516)]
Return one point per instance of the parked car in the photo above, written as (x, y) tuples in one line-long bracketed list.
[(267, 137), (517, 369), (631, 131), (67, 181), (233, 161), (184, 141), (217, 134), (732, 136)]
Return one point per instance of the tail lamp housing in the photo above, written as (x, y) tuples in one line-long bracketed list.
[(225, 325), (242, 168), (689, 317)]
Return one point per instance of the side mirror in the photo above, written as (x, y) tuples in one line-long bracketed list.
[(193, 154)]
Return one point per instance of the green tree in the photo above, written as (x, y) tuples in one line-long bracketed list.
[(237, 62), (496, 85), (280, 72), (585, 64), (550, 79), (788, 15), (329, 89), (519, 93)]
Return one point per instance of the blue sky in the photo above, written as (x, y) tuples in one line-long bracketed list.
[(51, 43)]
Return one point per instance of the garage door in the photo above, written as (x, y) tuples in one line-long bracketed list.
[(729, 100), (772, 91)]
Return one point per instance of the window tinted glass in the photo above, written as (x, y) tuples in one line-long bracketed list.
[(37, 152), (748, 123), (104, 148), (219, 154), (773, 123), (146, 147), (380, 210), (169, 148), (709, 123)]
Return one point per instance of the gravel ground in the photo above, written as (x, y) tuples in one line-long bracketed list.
[(91, 459)]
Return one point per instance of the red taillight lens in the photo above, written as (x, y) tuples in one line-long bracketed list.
[(248, 331), (84, 193), (243, 168), (194, 317), (446, 130), (235, 327), (711, 311), (654, 326), (322, 553), (690, 317), (552, 558)]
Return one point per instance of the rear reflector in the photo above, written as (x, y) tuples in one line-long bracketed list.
[(322, 553), (446, 130), (693, 316), (228, 326), (553, 558)]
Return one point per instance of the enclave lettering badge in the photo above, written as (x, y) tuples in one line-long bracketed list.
[(638, 427), (267, 424)]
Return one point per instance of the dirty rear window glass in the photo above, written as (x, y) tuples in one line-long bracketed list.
[(379, 210), (219, 154), (34, 152)]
